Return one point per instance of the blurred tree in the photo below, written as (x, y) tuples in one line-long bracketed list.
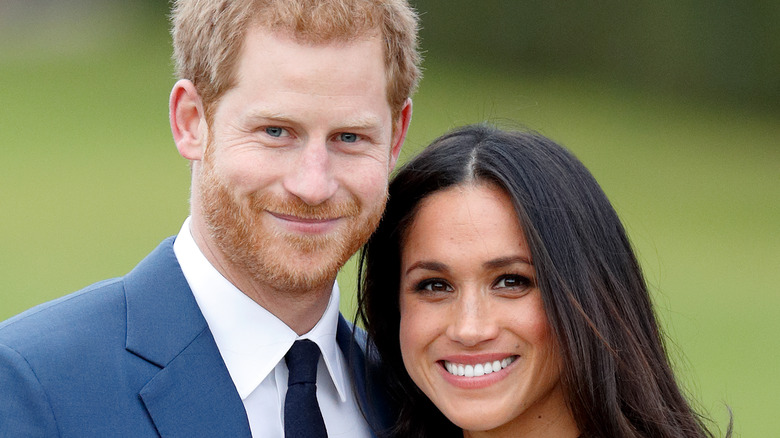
[(720, 48)]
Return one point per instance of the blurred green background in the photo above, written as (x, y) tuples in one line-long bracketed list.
[(674, 106)]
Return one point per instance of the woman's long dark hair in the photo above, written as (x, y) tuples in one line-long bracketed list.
[(615, 374)]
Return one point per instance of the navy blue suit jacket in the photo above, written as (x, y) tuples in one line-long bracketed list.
[(130, 357)]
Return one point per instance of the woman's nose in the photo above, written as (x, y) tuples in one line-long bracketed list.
[(472, 321)]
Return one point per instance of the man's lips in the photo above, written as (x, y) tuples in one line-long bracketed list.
[(306, 224), (308, 220)]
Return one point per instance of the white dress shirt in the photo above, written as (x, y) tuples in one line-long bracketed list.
[(253, 342)]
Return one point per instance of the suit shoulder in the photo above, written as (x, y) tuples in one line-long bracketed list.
[(89, 314), (84, 314), (24, 405)]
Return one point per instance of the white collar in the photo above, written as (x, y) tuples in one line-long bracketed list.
[(251, 339)]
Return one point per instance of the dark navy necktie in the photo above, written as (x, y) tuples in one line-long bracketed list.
[(302, 416)]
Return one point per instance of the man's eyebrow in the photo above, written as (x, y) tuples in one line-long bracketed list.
[(367, 122), (427, 265), (364, 122), (268, 114)]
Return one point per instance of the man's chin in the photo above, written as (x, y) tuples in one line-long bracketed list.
[(298, 271), (296, 282)]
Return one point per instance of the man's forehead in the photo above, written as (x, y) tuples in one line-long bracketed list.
[(304, 38)]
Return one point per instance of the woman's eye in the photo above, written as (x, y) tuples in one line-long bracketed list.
[(348, 137), (512, 281), (434, 286), (275, 131)]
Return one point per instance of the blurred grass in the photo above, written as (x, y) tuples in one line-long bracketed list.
[(90, 182)]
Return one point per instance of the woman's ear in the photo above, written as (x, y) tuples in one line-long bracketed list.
[(188, 121)]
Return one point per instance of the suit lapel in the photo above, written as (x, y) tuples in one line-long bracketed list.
[(193, 394), (371, 394)]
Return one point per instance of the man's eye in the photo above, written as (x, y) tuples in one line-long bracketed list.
[(275, 131), (348, 137)]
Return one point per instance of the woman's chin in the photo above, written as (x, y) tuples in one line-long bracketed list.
[(476, 420)]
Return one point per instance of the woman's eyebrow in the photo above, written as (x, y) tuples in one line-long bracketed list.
[(506, 261), (428, 266)]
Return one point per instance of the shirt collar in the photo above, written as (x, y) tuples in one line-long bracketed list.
[(251, 340)]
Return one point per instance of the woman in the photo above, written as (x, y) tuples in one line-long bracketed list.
[(521, 308)]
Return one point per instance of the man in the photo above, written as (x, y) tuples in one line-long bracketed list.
[(292, 114)]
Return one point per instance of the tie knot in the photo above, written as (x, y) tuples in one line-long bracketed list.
[(302, 362)]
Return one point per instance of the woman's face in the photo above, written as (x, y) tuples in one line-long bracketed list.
[(474, 335)]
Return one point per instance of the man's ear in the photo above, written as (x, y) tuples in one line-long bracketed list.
[(399, 131), (188, 121)]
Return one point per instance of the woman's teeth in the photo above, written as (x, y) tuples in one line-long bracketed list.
[(480, 369)]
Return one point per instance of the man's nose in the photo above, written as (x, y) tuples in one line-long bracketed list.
[(311, 177)]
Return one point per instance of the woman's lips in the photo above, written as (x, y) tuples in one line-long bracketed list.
[(476, 373), (478, 369)]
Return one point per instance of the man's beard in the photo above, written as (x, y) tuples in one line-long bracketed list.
[(243, 231)]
